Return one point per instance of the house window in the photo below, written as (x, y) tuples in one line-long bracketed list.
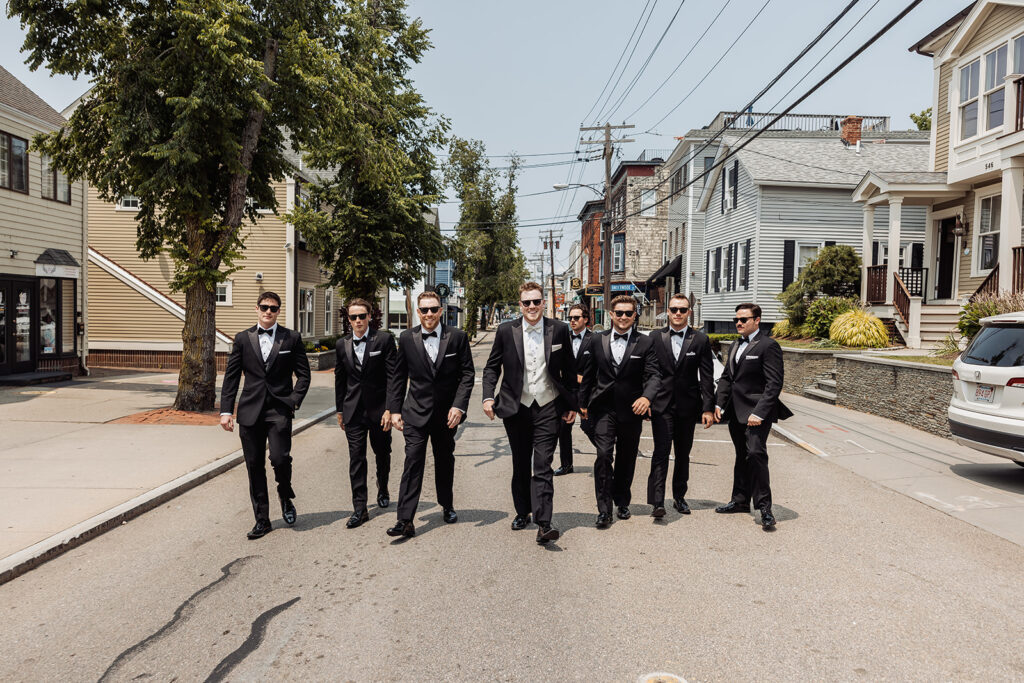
[(677, 181), (995, 73), (806, 252), (987, 245), (664, 251), (54, 184), (708, 163), (328, 311), (619, 253), (1018, 55), (57, 317), (307, 297), (223, 294), (647, 203), (13, 163), (129, 202), (970, 77), (741, 264), (730, 187)]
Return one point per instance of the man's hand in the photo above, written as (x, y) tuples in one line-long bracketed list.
[(489, 408), (707, 418), (396, 421), (454, 417), (341, 421), (385, 421), (642, 406), (227, 423), (583, 414), (753, 421), (718, 414), (569, 417)]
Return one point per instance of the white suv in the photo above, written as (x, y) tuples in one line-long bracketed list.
[(987, 408)]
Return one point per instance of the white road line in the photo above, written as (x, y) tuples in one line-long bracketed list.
[(859, 446), (790, 436)]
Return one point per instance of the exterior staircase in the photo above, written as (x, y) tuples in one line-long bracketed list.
[(937, 321), (824, 388)]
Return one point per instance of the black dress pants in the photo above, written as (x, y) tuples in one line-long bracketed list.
[(750, 472), (670, 431), (532, 433), (565, 439), (274, 427), (442, 440), (617, 443), (357, 433)]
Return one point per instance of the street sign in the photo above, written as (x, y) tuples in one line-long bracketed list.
[(442, 290), (575, 283), (459, 291)]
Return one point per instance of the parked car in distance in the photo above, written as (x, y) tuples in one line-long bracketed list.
[(986, 411)]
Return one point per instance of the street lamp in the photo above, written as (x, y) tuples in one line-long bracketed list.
[(566, 186), (606, 226)]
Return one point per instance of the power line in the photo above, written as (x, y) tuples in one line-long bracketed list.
[(626, 65), (619, 60)]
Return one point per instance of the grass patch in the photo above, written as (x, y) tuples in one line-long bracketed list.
[(930, 360), (812, 344)]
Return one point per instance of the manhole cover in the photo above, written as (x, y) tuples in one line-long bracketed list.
[(661, 678)]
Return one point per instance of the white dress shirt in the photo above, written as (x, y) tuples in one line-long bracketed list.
[(359, 349), (536, 383), (266, 340), (432, 344), (619, 345), (678, 339), (577, 342), (742, 348)]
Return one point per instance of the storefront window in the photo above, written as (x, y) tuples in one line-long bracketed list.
[(48, 314), (67, 316)]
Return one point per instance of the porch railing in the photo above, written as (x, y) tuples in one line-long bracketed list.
[(876, 284), (989, 286), (916, 280), (1019, 113), (901, 299), (1018, 269)]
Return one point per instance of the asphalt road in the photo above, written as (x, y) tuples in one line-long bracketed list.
[(857, 583)]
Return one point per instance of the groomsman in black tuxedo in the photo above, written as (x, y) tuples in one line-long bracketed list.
[(268, 355), (581, 336), (434, 361), (365, 361), (620, 380), (537, 394), (687, 397), (748, 397)]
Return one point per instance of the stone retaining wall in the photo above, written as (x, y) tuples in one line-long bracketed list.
[(801, 365), (916, 394), (322, 360)]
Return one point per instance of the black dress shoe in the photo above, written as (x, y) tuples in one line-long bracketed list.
[(404, 527), (659, 511), (383, 498), (449, 516), (623, 512), (563, 470), (546, 533), (288, 510), (680, 505), (604, 520), (520, 522), (261, 529), (767, 520), (733, 506), (357, 519)]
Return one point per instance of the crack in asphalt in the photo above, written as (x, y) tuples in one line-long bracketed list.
[(249, 645)]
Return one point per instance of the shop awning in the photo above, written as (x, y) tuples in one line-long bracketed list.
[(58, 263), (670, 268)]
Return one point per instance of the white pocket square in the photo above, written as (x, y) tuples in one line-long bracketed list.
[(448, 355), (750, 357), (281, 353), (691, 353), (555, 347), (636, 356), (586, 353), (374, 353)]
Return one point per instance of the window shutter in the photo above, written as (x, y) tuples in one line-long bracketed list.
[(746, 267), (733, 265), (735, 183), (718, 267), (788, 256), (723, 174), (707, 271), (830, 243), (874, 253), (917, 255)]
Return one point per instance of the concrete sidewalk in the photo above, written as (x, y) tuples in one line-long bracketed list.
[(68, 473), (980, 489)]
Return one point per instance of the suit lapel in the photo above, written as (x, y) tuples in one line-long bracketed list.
[(606, 346), (279, 335), (417, 341), (549, 331), (517, 339), (255, 339), (750, 347), (732, 355), (666, 338), (442, 345), (634, 339), (686, 346), (350, 352)]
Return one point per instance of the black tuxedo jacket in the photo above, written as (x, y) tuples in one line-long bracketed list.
[(265, 382), (606, 388), (433, 388), (364, 387), (507, 359), (753, 385), (687, 385)]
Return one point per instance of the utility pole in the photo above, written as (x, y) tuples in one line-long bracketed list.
[(606, 219), (551, 242)]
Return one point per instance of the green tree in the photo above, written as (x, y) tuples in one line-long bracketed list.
[(192, 106), (488, 260), (369, 225), (923, 121)]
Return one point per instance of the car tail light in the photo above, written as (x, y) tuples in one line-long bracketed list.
[(1016, 382), (956, 375)]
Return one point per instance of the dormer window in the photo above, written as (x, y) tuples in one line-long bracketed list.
[(969, 80), (995, 75)]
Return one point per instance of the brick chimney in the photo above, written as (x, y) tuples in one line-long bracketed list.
[(850, 131)]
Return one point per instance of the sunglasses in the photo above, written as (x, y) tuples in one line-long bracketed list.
[(741, 320), (268, 307), (429, 309), (574, 318), (624, 314), (357, 316), (531, 302), (678, 309)]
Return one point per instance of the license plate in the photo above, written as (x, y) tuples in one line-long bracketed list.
[(983, 393)]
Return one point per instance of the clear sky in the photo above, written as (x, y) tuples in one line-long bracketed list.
[(522, 76)]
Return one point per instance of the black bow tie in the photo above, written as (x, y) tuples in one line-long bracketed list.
[(260, 330), (428, 335), (578, 336), (680, 333), (745, 340), (616, 336), (359, 341)]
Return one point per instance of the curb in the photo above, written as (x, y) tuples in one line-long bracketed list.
[(25, 560), (480, 338), (792, 438)]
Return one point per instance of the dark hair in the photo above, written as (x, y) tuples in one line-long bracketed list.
[(583, 310), (530, 286), (268, 295), (428, 295), (680, 295), (624, 299), (358, 302), (754, 308)]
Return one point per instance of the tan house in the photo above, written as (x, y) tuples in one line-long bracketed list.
[(42, 247), (137, 319), (974, 190)]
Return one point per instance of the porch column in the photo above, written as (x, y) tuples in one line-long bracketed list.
[(895, 211), (1010, 220), (867, 249)]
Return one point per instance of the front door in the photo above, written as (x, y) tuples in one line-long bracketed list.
[(17, 303), (945, 261)]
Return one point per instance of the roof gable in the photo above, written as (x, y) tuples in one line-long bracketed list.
[(973, 23), (19, 97)]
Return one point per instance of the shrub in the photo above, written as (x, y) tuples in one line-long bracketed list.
[(859, 329), (717, 339), (984, 305), (948, 346), (822, 311), (836, 272), (782, 329), (329, 342)]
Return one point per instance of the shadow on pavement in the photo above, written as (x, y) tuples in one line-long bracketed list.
[(315, 520), (433, 520), (1008, 477)]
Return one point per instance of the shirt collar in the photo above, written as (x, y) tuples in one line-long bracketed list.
[(438, 330), (750, 337), (354, 337), (273, 329), (539, 325), (684, 329), (628, 333)]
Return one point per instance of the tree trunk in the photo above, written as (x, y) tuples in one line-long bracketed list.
[(408, 310), (197, 382)]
